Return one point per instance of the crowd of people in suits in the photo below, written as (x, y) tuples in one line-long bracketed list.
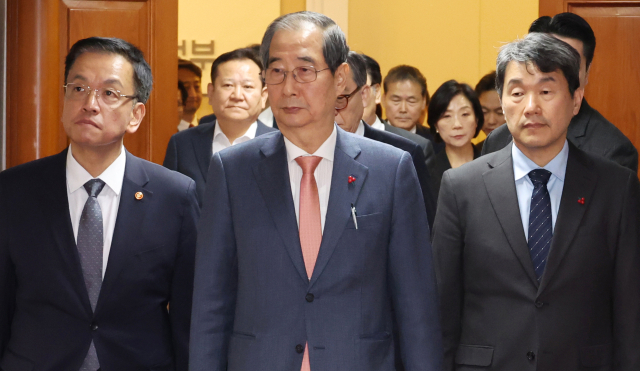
[(294, 229)]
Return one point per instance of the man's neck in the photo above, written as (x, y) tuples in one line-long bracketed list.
[(371, 119), (234, 129), (96, 160), (188, 117), (542, 156), (309, 137)]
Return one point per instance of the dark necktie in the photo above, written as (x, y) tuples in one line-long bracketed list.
[(540, 222), (90, 243)]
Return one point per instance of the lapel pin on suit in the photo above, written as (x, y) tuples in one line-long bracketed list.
[(351, 179), (139, 196), (581, 201)]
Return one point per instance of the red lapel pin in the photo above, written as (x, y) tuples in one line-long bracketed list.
[(581, 201), (351, 179)]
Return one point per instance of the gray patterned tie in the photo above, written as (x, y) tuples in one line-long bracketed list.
[(90, 241)]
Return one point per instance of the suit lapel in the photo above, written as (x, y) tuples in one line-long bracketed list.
[(131, 214), (272, 177), (202, 146), (499, 182), (579, 182), (341, 196)]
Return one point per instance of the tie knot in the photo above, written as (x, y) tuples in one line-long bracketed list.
[(539, 177), (308, 163), (94, 187)]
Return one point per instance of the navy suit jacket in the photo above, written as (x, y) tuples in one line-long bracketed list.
[(424, 143), (189, 152), (46, 321), (254, 307)]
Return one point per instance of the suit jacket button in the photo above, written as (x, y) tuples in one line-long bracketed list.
[(299, 348), (94, 327), (531, 356), (539, 304), (309, 297)]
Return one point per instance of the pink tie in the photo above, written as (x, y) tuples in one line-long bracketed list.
[(310, 224)]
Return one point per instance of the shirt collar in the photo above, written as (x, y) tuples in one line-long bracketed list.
[(522, 165), (360, 129), (250, 133), (413, 129), (183, 125), (326, 150), (113, 176)]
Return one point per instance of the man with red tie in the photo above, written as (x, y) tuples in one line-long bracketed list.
[(312, 247)]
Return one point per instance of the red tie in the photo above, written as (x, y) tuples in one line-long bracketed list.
[(310, 224)]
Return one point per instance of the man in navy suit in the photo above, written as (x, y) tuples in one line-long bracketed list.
[(237, 95), (95, 243), (303, 269)]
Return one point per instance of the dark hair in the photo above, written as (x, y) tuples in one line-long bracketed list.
[(183, 92), (440, 102), (334, 46), (358, 68), (255, 48), (142, 78), (404, 72), (546, 52), (486, 83), (238, 54), (568, 25), (184, 64), (373, 69)]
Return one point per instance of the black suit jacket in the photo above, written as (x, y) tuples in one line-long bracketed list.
[(46, 321), (426, 133), (442, 164), (189, 152), (589, 131), (418, 162), (425, 144), (584, 314)]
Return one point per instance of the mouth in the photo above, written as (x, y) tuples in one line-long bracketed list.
[(458, 137), (87, 122), (291, 110)]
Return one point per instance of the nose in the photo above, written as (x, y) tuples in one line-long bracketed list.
[(456, 122), (532, 106), (289, 84), (403, 106), (91, 102), (236, 93)]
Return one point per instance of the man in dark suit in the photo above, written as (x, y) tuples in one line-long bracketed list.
[(348, 117), (370, 113), (589, 130), (237, 96), (537, 246), (95, 243), (313, 241)]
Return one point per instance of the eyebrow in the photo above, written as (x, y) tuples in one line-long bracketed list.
[(112, 81), (305, 59)]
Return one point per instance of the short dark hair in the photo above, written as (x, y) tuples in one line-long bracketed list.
[(142, 78), (184, 64), (358, 68), (183, 92), (568, 25), (334, 45), (238, 54), (440, 102), (404, 72), (373, 69), (546, 52), (486, 83)]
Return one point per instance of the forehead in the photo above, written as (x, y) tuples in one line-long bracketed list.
[(303, 44), (238, 66), (528, 73), (187, 75), (406, 88), (489, 98), (459, 101), (101, 66)]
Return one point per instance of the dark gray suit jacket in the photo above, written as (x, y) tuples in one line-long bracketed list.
[(585, 312), (589, 131), (189, 152), (425, 144)]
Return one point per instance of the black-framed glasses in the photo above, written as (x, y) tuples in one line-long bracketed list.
[(343, 100), (108, 96), (302, 74)]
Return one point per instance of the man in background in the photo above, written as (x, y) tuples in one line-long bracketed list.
[(490, 102), (191, 77)]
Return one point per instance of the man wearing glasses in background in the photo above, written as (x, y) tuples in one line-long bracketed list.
[(94, 242), (313, 246)]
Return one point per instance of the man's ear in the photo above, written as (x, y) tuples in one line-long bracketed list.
[(210, 92), (340, 78), (577, 100), (366, 93), (137, 114), (378, 91), (265, 96), (586, 76)]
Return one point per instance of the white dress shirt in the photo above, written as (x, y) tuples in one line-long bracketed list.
[(322, 174), (360, 130), (522, 165), (378, 124), (266, 117), (220, 140), (108, 199), (183, 125), (413, 129)]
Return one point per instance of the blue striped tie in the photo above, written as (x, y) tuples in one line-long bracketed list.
[(540, 227)]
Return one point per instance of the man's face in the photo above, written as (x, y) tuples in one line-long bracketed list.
[(237, 94), (373, 98), (492, 109), (579, 46), (538, 108), (349, 117), (88, 121), (403, 103), (296, 105), (180, 105), (191, 82)]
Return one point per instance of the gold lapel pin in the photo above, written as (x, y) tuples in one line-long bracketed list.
[(139, 196)]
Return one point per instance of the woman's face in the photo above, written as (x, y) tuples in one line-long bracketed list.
[(457, 126)]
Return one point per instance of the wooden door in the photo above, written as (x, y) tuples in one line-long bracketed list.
[(614, 79), (39, 35)]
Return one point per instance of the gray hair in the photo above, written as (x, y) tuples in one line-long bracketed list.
[(358, 67), (334, 46), (546, 52)]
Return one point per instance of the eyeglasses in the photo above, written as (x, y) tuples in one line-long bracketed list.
[(303, 74), (109, 96), (343, 100)]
